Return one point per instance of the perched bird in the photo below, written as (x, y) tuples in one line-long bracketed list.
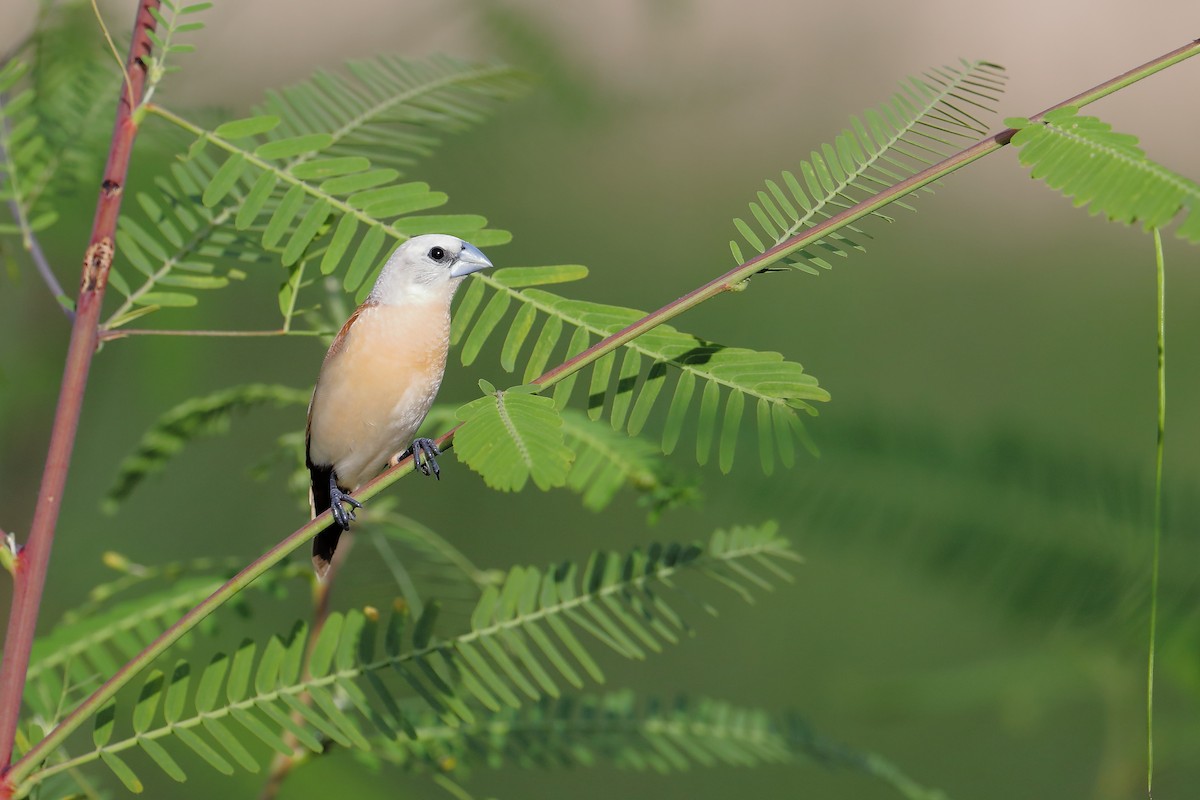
[(379, 379)]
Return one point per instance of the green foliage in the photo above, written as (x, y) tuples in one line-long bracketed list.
[(314, 174), (200, 416), (49, 116), (56, 104), (1085, 159), (174, 247), (173, 19), (727, 376), (89, 644), (607, 460), (930, 118), (523, 644), (25, 157), (588, 730), (75, 80), (617, 728), (511, 436)]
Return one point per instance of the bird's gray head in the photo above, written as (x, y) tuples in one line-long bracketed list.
[(425, 268)]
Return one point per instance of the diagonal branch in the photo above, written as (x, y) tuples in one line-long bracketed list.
[(34, 560), (729, 281)]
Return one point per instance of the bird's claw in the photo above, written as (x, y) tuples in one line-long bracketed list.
[(341, 515), (424, 454)]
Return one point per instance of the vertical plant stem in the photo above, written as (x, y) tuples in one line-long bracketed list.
[(1158, 492), (34, 560)]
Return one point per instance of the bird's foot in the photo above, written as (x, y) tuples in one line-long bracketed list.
[(424, 453), (341, 515)]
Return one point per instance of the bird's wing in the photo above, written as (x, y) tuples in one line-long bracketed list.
[(318, 493), (325, 543)]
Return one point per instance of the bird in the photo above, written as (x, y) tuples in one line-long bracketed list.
[(380, 377)]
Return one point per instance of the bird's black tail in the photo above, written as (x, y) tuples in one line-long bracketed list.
[(325, 543)]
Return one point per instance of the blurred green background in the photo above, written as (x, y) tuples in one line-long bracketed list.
[(977, 527)]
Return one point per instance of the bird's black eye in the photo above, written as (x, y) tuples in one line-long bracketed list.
[(437, 253)]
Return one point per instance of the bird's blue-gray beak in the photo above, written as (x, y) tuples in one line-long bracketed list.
[(470, 259)]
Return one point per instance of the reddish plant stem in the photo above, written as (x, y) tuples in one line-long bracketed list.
[(34, 560)]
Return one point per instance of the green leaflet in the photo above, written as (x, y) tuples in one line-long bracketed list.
[(514, 436), (535, 629), (1086, 160), (928, 119), (200, 416), (244, 128)]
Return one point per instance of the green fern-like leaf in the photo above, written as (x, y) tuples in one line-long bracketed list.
[(526, 639), (134, 576), (316, 173), (617, 728), (76, 81), (605, 462), (175, 247), (91, 642), (1085, 159), (928, 119), (199, 416), (172, 19), (25, 156), (512, 436), (627, 385), (56, 104)]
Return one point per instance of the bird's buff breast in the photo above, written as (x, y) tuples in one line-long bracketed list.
[(375, 387)]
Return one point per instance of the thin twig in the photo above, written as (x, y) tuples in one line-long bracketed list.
[(34, 560), (34, 246), (112, 47), (28, 763), (121, 333)]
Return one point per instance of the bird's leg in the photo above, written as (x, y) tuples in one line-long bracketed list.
[(424, 453), (336, 497)]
